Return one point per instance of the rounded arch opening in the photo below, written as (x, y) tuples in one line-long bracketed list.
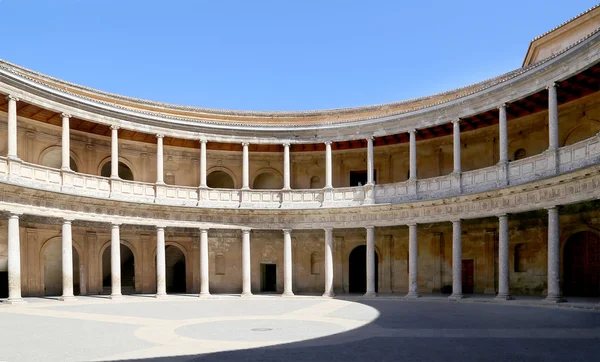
[(358, 270), (52, 157), (127, 270), (175, 265), (267, 181), (125, 172), (52, 268), (220, 180), (581, 265)]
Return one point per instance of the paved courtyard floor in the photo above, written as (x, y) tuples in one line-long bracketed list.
[(273, 328)]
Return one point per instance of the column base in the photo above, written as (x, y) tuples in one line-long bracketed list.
[(504, 297), (412, 295), (15, 301), (370, 294), (116, 296), (287, 294), (456, 296), (489, 291), (246, 294), (14, 158), (159, 295), (554, 299), (68, 298), (204, 295), (328, 294)]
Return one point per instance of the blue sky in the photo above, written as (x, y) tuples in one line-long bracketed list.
[(275, 55)]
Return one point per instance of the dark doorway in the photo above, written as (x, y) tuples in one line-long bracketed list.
[(268, 278), (175, 268), (582, 265), (467, 276), (127, 270), (359, 178), (3, 284), (358, 270)]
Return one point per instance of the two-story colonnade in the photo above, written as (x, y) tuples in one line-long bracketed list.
[(492, 188)]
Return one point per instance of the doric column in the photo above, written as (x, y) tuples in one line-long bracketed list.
[(161, 267), (287, 262), (286, 166), (413, 256), (114, 154), (12, 127), (328, 166), (115, 261), (14, 261), (552, 117), (503, 266), (413, 154), (370, 162), (554, 293), (204, 281), (503, 134), (246, 273), (456, 260), (66, 143), (159, 159), (328, 263), (456, 138), (370, 261), (203, 163), (245, 167), (67, 261)]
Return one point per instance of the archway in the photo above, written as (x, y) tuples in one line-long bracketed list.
[(358, 270), (175, 265), (581, 265), (219, 180), (53, 158), (53, 269), (125, 172), (267, 180), (127, 270)]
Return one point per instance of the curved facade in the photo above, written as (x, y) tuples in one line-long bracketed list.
[(491, 188)]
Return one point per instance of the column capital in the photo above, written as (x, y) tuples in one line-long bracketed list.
[(286, 231), (245, 144), (203, 230), (15, 215), (412, 131), (10, 97), (158, 135), (328, 143), (65, 115), (246, 231), (370, 138), (503, 105), (369, 227), (160, 227), (115, 225), (114, 127), (502, 215), (549, 208), (552, 85), (456, 121), (413, 224), (287, 144), (328, 229), (68, 220), (203, 140), (455, 221)]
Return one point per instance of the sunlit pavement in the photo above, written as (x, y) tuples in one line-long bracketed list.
[(272, 328)]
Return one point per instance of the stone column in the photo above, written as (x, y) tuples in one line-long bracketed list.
[(245, 167), (286, 166), (552, 117), (12, 127), (456, 138), (66, 143), (413, 154), (554, 293), (67, 261), (14, 261), (161, 268), (287, 263), (503, 134), (204, 281), (115, 262), (456, 260), (203, 163), (114, 155), (328, 166), (370, 262), (413, 257), (503, 265), (159, 160), (328, 263), (246, 273), (370, 162)]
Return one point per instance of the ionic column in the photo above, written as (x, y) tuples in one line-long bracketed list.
[(552, 117), (287, 262), (203, 163), (456, 138), (66, 143), (328, 263), (14, 261), (328, 166), (554, 293), (159, 160), (370, 162), (246, 273), (115, 262), (286, 166), (161, 267), (12, 127), (413, 256), (114, 154), (413, 154), (204, 281), (456, 260), (503, 266), (245, 167), (370, 262), (67, 261), (503, 134)]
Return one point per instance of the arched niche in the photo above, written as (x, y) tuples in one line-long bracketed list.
[(52, 157), (220, 179), (125, 171), (267, 179), (51, 267), (357, 273), (127, 269)]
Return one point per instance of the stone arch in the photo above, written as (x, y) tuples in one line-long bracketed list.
[(580, 263), (52, 157), (133, 283), (176, 274), (55, 270), (358, 274), (583, 130), (267, 179), (104, 168), (219, 178)]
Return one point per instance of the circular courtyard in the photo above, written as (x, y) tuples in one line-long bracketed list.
[(270, 328)]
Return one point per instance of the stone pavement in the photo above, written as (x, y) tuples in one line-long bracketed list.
[(272, 328)]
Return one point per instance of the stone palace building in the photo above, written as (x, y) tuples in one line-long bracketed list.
[(492, 188)]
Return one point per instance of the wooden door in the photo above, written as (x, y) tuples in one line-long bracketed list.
[(581, 263), (467, 276)]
